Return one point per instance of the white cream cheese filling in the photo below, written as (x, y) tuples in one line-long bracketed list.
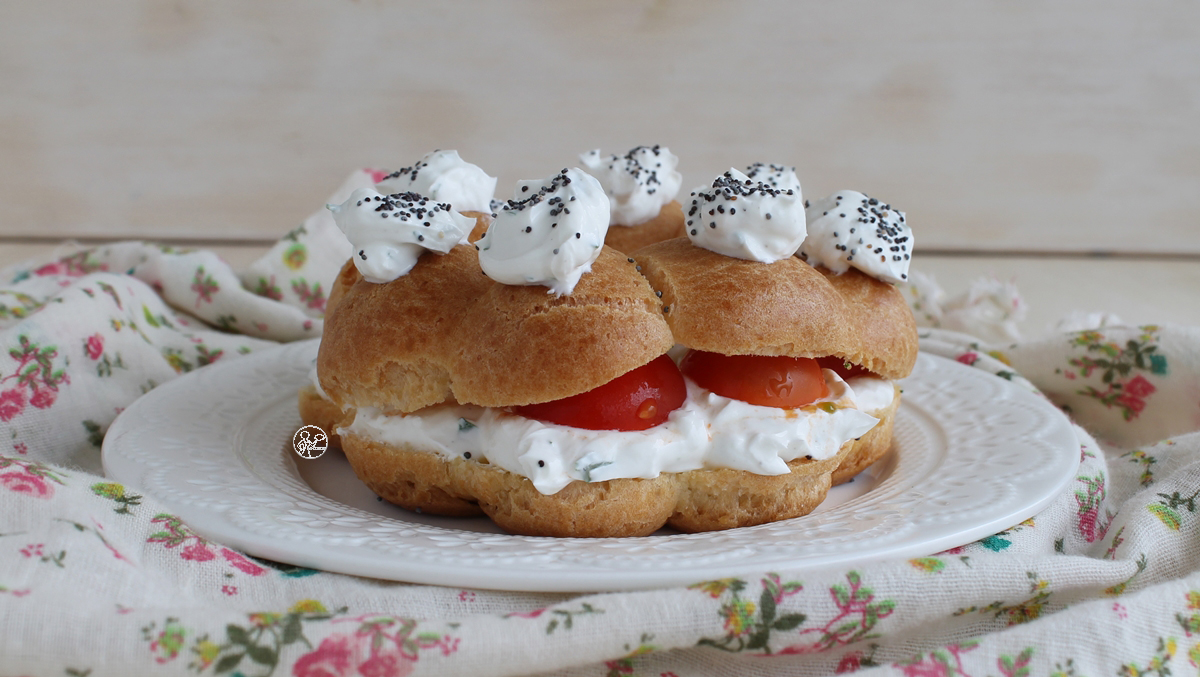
[(708, 431)]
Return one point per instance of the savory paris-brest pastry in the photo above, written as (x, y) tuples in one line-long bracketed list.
[(527, 377), (641, 187)]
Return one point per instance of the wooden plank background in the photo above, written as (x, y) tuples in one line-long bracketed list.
[(1022, 132)]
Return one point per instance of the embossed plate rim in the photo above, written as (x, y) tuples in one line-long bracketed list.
[(154, 441)]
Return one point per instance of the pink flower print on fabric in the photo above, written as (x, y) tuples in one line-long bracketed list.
[(43, 399), (12, 403), (27, 477), (335, 657), (24, 483), (386, 662), (94, 346)]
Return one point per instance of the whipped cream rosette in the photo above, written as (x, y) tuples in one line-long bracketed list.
[(850, 230), (390, 232), (549, 234), (638, 184), (746, 219)]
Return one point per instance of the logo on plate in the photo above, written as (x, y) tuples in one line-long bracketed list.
[(310, 441)]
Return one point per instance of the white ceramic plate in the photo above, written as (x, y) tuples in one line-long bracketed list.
[(973, 455)]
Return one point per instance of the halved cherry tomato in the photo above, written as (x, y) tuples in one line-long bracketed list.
[(838, 365), (636, 400), (779, 381)]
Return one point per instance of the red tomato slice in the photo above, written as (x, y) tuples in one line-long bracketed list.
[(838, 365), (636, 400), (784, 382)]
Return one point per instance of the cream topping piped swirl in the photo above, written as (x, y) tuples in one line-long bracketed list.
[(549, 234), (849, 229), (390, 232), (445, 177), (638, 184), (746, 219)]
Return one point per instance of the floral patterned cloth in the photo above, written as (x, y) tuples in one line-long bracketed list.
[(96, 579)]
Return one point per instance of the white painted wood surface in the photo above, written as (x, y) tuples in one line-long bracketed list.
[(1001, 126)]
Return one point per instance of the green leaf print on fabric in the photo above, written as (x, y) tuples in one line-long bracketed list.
[(1115, 364), (1015, 666), (36, 378), (1021, 612), (566, 617), (95, 433), (1146, 461), (858, 613), (944, 662), (253, 647), (267, 287), (204, 285), (24, 305), (1168, 508), (1119, 588), (1159, 663), (748, 625), (311, 294), (116, 492)]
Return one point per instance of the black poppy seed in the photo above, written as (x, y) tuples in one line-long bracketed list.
[(824, 213), (360, 203), (420, 238), (576, 236), (842, 215), (732, 211), (768, 217), (693, 231), (466, 454), (713, 225), (808, 457), (542, 464), (362, 254), (630, 260), (384, 215), (658, 294), (524, 188), (666, 309), (556, 251)]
